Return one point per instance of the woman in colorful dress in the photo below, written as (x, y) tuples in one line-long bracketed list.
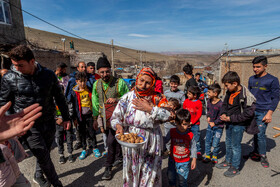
[(140, 111)]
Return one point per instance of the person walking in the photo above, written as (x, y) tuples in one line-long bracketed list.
[(27, 83)]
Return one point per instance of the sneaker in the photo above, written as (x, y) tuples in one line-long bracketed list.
[(231, 172), (207, 159), (223, 165), (71, 158), (96, 153), (117, 163), (105, 153), (214, 159), (62, 159), (83, 155), (77, 146), (264, 161), (41, 181), (107, 175), (199, 156)]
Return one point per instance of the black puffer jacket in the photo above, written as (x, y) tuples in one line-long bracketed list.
[(25, 90)]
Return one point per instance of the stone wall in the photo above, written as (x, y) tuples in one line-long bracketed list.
[(49, 59), (14, 33), (85, 57), (244, 67)]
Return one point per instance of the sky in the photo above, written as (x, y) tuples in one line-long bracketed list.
[(162, 25)]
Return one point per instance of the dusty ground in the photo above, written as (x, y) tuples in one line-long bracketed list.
[(87, 173)]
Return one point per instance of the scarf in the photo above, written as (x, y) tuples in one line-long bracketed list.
[(150, 91)]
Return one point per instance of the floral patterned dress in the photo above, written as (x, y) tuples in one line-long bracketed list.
[(141, 166)]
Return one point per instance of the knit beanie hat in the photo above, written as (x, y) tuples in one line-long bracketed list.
[(103, 62)]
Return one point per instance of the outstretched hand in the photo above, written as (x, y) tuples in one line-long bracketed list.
[(19, 123), (142, 104)]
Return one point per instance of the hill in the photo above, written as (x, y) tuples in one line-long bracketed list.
[(53, 41)]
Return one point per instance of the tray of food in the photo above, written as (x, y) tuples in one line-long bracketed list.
[(131, 140)]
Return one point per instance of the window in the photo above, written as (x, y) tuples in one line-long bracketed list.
[(5, 12)]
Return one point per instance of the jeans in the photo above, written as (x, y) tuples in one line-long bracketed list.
[(59, 138), (260, 138), (213, 137), (87, 132), (39, 140), (234, 135), (167, 127), (178, 173), (196, 134)]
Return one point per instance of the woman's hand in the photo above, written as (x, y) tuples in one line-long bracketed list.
[(119, 129), (142, 104)]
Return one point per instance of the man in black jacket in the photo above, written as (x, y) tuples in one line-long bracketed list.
[(28, 83), (188, 72)]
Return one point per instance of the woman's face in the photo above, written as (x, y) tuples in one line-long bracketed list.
[(144, 82)]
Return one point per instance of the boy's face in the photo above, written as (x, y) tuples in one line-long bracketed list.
[(81, 83), (232, 87), (171, 104), (259, 69), (191, 96), (183, 127), (173, 86), (91, 70), (211, 94)]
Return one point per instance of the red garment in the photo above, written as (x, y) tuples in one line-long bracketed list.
[(97, 76), (180, 145), (159, 87), (195, 108)]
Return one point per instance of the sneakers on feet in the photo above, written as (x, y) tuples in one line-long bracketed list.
[(96, 153), (231, 172), (77, 146), (214, 159), (264, 161), (117, 163), (41, 181), (71, 158), (207, 159), (62, 159), (199, 156), (83, 155), (107, 175), (223, 165)]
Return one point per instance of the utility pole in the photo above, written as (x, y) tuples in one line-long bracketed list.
[(141, 58), (63, 40), (112, 55)]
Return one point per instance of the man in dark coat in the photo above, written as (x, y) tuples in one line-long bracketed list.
[(28, 83)]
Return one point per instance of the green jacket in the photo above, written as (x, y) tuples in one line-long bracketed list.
[(122, 89)]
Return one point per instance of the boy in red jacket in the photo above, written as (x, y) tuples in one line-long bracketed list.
[(194, 106), (183, 148)]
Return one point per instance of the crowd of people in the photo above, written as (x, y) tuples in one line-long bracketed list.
[(39, 106)]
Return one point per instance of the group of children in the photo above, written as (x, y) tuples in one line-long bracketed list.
[(80, 109), (184, 133)]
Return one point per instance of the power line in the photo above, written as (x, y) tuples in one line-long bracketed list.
[(103, 45), (229, 51), (255, 44)]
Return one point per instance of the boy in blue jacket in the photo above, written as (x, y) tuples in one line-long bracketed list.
[(82, 113)]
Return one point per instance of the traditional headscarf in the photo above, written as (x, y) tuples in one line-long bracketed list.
[(150, 91), (157, 98)]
